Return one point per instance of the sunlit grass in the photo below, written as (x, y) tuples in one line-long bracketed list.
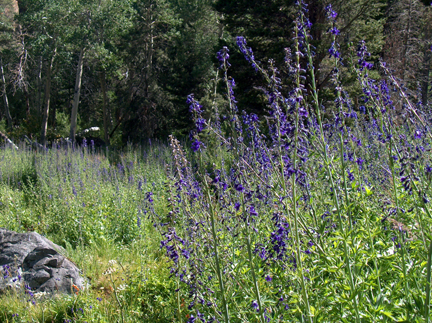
[(91, 204)]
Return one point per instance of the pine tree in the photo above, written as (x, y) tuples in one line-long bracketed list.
[(267, 26), (403, 41), (143, 102), (192, 54)]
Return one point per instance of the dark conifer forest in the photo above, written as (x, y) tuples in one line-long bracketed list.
[(127, 67)]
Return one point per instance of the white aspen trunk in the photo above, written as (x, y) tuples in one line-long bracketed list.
[(39, 86), (426, 59), (406, 40), (5, 98), (76, 96), (47, 99)]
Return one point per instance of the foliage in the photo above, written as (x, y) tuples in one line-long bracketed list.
[(325, 219), (142, 56), (6, 24), (266, 25), (59, 182), (317, 212), (105, 230)]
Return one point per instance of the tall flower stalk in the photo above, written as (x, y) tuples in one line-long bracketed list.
[(216, 253), (295, 166), (315, 101), (277, 219)]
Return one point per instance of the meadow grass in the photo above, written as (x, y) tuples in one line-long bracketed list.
[(90, 202)]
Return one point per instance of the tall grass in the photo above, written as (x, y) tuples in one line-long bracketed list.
[(90, 202), (102, 198)]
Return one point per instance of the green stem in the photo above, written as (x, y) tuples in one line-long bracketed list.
[(251, 263), (293, 183), (428, 275), (428, 284), (400, 232), (179, 303), (298, 251), (256, 287), (367, 218), (215, 249), (329, 172), (117, 299)]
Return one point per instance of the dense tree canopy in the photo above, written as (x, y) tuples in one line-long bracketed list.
[(127, 66)]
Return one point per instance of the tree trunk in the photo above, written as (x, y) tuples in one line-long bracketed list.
[(27, 98), (426, 60), (76, 96), (149, 47), (5, 98), (425, 76), (39, 86), (47, 99), (105, 106), (406, 41), (7, 140)]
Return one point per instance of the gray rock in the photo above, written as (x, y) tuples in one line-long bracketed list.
[(33, 261)]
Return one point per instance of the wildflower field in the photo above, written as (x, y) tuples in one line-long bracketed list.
[(318, 213)]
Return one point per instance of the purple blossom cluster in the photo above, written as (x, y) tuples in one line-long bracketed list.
[(257, 216)]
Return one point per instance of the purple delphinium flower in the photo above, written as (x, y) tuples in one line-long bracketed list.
[(254, 305), (333, 51), (334, 31), (196, 109), (350, 175), (252, 211), (170, 244), (6, 269), (360, 162), (363, 54), (194, 106), (278, 244), (223, 56), (149, 197), (200, 124), (246, 51), (239, 187), (331, 14), (196, 145)]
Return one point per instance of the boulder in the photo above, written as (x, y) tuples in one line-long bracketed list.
[(34, 262)]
